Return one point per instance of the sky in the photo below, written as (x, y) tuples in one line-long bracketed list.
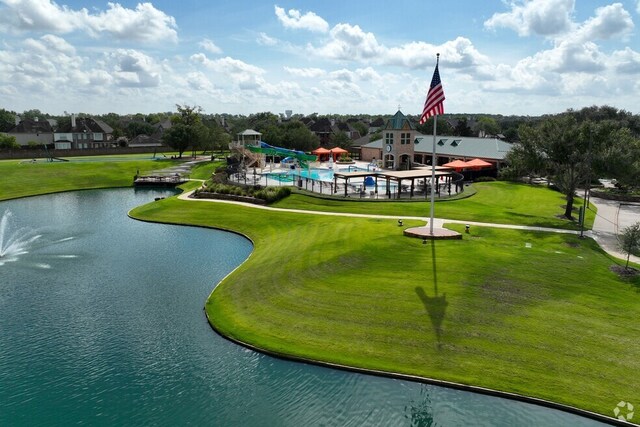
[(519, 57)]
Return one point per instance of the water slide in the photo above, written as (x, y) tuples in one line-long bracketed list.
[(269, 150)]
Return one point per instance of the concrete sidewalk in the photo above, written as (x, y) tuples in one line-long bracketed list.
[(613, 216)]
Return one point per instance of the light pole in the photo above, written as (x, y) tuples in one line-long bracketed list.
[(587, 188)]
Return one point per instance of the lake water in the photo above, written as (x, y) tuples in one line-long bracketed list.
[(102, 323)]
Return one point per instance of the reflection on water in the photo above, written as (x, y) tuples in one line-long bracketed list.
[(113, 333)]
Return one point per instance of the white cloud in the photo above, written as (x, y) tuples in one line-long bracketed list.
[(350, 42), (234, 68), (305, 72), (264, 40), (610, 21), (145, 23), (626, 61), (210, 46), (198, 81), (134, 69), (295, 20), (49, 43), (457, 53), (542, 17)]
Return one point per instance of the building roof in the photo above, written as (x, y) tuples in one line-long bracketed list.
[(32, 126), (457, 146), (398, 122), (249, 132), (377, 122), (322, 125), (87, 124)]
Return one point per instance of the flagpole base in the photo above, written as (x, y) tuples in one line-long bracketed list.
[(438, 233)]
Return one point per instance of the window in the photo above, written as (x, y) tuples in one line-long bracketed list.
[(388, 138), (405, 138)]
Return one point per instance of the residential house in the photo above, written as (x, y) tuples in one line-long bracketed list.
[(83, 133), (32, 131)]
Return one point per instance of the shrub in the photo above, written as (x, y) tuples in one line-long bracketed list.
[(485, 179)]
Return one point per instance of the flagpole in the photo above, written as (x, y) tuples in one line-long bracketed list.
[(433, 162)]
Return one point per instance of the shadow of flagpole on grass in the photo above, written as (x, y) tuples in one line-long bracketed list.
[(436, 305)]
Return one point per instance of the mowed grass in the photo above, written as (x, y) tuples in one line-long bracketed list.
[(550, 320), (20, 178), (497, 202)]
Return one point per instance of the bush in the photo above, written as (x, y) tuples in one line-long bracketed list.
[(268, 194), (485, 179)]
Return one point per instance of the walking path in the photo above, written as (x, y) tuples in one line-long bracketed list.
[(612, 217)]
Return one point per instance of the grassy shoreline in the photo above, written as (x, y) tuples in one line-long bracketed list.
[(385, 302)]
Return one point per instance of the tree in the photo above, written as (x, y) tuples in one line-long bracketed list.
[(629, 241), (559, 148), (136, 128), (186, 130), (462, 128), (7, 120), (8, 142), (340, 139), (443, 128), (488, 125), (298, 137)]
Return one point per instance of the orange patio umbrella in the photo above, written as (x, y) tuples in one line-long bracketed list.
[(478, 163), (458, 165), (320, 152), (337, 151)]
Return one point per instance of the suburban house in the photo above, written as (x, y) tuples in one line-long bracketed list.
[(32, 131), (402, 147), (83, 133), (153, 140), (324, 128)]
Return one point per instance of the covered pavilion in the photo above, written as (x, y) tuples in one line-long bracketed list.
[(423, 175)]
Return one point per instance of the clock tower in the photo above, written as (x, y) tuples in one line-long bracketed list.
[(398, 136)]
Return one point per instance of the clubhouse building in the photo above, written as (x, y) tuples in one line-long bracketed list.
[(402, 147)]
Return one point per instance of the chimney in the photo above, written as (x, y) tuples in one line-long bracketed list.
[(36, 119), (17, 120), (73, 121)]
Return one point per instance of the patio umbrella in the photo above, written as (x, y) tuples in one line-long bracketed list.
[(458, 165), (478, 163), (320, 152), (336, 151)]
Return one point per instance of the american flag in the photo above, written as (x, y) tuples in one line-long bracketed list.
[(434, 104)]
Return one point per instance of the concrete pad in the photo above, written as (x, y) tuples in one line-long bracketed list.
[(439, 233)]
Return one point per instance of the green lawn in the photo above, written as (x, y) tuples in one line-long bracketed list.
[(550, 320), (500, 202), (20, 178)]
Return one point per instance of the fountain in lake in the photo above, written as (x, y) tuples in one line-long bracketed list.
[(12, 245)]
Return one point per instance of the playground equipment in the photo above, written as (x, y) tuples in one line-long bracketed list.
[(50, 157), (269, 150)]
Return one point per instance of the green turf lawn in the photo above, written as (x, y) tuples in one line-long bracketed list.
[(499, 202), (550, 321), (20, 178)]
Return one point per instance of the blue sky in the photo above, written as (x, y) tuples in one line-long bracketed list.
[(525, 57)]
